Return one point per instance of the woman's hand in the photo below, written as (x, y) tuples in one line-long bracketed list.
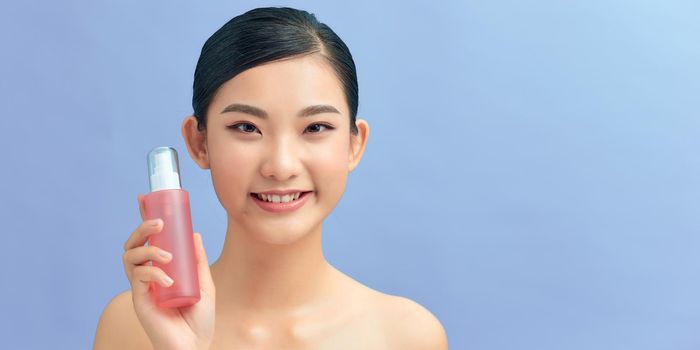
[(187, 328)]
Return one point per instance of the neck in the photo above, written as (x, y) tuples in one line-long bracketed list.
[(254, 275)]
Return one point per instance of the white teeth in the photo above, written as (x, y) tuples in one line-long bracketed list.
[(277, 199)]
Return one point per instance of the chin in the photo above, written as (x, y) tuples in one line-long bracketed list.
[(279, 237), (280, 231)]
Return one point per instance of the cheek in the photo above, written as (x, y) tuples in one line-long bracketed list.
[(330, 167), (230, 167)]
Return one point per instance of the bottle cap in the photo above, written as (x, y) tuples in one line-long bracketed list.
[(163, 169)]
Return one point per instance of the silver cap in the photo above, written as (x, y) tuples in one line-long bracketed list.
[(163, 169)]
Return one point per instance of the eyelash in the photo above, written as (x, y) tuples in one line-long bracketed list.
[(235, 127)]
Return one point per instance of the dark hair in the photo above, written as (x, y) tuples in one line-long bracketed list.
[(263, 35)]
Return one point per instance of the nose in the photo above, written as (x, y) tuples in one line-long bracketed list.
[(282, 161)]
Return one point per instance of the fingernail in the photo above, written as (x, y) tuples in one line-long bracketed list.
[(154, 222), (168, 280), (164, 254)]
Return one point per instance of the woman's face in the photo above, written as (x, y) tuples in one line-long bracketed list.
[(283, 150)]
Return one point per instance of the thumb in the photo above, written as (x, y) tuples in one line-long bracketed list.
[(206, 283)]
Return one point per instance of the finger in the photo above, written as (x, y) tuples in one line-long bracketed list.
[(129, 269), (141, 233), (142, 277), (143, 254), (142, 208), (206, 282)]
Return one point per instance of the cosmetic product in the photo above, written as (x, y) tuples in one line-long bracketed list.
[(169, 202)]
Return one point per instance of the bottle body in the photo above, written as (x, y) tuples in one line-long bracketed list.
[(173, 207)]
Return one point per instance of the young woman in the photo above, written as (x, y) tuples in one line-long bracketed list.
[(275, 102)]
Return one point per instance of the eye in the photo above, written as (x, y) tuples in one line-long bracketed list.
[(249, 128), (319, 125)]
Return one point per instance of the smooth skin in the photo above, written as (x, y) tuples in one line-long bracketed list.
[(271, 287)]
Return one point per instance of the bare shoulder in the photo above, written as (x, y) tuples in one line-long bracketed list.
[(410, 325), (119, 328), (406, 324)]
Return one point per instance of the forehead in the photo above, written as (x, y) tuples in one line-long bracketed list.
[(285, 85)]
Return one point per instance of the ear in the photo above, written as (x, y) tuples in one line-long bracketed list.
[(358, 143), (196, 142)]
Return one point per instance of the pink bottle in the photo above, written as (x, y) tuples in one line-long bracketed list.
[(168, 201)]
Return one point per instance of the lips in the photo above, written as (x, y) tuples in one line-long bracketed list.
[(282, 207), (280, 192)]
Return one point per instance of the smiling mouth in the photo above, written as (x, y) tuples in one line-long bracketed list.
[(277, 198)]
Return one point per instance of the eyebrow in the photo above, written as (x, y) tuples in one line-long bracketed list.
[(257, 112)]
